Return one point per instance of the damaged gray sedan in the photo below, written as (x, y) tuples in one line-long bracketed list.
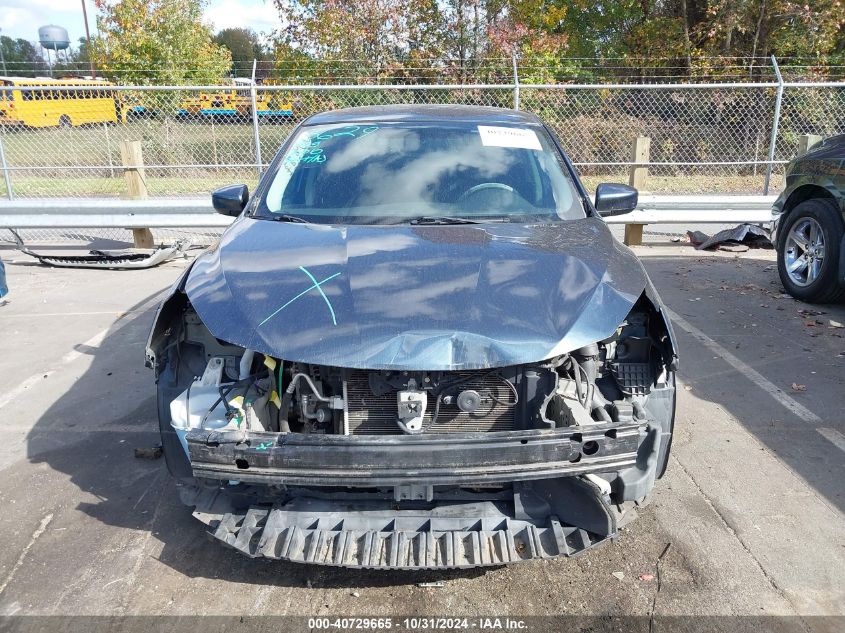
[(418, 346)]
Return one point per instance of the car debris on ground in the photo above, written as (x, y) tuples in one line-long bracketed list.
[(130, 258), (737, 239), (149, 452), (114, 259)]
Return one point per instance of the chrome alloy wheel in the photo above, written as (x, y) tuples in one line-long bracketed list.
[(804, 253)]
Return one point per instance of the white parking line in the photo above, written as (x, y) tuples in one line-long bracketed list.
[(833, 436), (10, 395), (38, 532), (30, 315), (94, 341), (749, 372), (71, 356)]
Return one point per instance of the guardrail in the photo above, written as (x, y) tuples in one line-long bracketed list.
[(707, 209), (198, 213), (66, 213)]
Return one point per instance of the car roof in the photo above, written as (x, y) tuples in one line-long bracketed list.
[(429, 113)]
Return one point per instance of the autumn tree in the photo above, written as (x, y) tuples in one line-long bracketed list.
[(372, 30), (406, 39), (157, 41), (463, 39)]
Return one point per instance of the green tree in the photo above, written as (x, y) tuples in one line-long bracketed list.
[(244, 46), (780, 27), (21, 57), (76, 63), (157, 41)]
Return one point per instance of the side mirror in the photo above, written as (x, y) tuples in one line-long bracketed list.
[(230, 200), (615, 199)]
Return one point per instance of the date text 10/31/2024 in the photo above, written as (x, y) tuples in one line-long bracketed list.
[(417, 624)]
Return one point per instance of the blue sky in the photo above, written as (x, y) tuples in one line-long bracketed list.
[(21, 18)]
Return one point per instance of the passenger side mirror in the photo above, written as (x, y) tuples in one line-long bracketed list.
[(230, 200), (615, 199)]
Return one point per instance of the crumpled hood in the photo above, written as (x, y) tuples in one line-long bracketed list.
[(415, 297)]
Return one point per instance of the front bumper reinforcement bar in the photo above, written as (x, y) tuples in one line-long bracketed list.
[(389, 460)]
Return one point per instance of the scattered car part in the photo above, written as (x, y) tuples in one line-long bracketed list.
[(750, 234), (149, 452), (113, 259)]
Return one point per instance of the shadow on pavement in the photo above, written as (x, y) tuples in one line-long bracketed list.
[(740, 304)]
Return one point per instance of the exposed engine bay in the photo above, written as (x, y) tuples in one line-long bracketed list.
[(237, 389)]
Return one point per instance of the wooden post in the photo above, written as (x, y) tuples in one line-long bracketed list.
[(634, 234), (132, 156), (806, 142), (637, 178)]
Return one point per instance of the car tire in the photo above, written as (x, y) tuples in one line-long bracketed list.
[(813, 224), (65, 122)]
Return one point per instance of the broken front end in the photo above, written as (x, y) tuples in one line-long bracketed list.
[(414, 469)]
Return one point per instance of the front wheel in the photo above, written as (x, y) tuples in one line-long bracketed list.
[(808, 252)]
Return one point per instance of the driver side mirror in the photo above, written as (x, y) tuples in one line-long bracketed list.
[(230, 200), (615, 199)]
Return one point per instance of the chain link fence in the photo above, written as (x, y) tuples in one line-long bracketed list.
[(69, 141)]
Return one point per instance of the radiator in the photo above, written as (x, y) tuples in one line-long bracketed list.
[(368, 414)]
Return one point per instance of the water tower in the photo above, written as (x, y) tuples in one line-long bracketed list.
[(53, 38)]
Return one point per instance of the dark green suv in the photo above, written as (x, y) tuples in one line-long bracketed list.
[(809, 224)]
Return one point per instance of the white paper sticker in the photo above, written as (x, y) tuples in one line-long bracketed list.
[(509, 137)]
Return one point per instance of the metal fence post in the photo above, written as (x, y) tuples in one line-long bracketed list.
[(515, 83), (254, 95), (6, 175), (775, 124), (108, 148)]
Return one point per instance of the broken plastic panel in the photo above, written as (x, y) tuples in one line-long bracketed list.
[(113, 259)]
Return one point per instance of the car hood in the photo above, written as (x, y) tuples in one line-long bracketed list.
[(415, 297)]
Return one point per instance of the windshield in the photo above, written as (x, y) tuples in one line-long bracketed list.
[(417, 172)]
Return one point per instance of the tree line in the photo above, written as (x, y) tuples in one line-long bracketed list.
[(561, 37), (166, 41)]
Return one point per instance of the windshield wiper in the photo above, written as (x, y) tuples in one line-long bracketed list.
[(289, 218), (441, 219)]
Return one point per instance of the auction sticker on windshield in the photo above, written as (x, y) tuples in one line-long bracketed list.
[(492, 136)]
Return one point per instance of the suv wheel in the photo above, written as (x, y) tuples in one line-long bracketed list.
[(808, 252)]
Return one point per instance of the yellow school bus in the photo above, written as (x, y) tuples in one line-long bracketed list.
[(235, 104), (273, 106), (31, 102)]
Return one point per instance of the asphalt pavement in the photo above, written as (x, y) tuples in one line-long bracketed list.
[(748, 520)]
